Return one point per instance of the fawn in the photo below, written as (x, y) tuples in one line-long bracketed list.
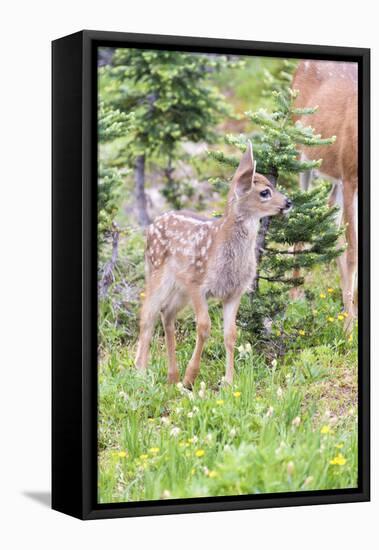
[(190, 258), (333, 86)]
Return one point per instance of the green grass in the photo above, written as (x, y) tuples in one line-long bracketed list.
[(286, 425)]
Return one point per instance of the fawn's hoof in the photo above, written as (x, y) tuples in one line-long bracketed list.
[(173, 377)]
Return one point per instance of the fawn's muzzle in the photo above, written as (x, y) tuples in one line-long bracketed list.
[(288, 206)]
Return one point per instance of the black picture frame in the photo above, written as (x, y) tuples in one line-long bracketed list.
[(74, 295)]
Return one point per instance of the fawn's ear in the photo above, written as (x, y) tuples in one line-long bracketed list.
[(244, 176)]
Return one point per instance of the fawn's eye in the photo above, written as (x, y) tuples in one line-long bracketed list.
[(265, 194)]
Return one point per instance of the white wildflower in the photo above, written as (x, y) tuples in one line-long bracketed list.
[(175, 431)]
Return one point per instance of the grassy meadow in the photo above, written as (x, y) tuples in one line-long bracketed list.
[(287, 425)]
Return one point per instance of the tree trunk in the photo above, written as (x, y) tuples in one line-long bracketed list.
[(141, 202)]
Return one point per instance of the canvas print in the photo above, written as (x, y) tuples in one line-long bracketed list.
[(227, 275)]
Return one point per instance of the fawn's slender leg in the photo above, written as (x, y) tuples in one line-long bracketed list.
[(350, 255), (168, 321), (230, 334), (149, 314), (203, 327)]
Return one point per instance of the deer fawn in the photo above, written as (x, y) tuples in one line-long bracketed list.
[(333, 87), (190, 258)]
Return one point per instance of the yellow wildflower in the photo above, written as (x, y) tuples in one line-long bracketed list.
[(302, 332), (142, 294), (144, 457), (199, 453), (212, 473), (325, 430), (338, 460), (350, 338), (330, 290), (154, 450), (220, 401), (331, 319), (122, 454), (237, 394), (322, 295), (345, 314), (340, 317)]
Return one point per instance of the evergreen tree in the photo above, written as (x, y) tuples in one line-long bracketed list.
[(311, 222), (111, 124), (172, 99)]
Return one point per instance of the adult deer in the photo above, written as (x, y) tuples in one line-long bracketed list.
[(333, 87), (190, 258)]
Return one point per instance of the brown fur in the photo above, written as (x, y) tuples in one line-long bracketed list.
[(190, 258), (333, 87)]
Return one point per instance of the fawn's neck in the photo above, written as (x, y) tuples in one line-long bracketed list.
[(234, 265)]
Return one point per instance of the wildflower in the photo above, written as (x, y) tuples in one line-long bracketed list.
[(144, 457), (220, 401), (166, 494), (279, 392), (338, 460), (190, 414), (199, 453), (244, 349), (340, 317), (154, 450), (192, 439), (325, 430), (308, 480), (302, 332), (350, 338), (339, 445), (212, 474), (290, 468), (175, 431), (331, 319), (122, 454), (232, 432), (270, 411), (274, 363), (322, 296), (296, 421), (142, 294), (330, 290), (237, 394), (345, 314)]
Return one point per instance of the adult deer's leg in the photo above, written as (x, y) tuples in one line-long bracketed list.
[(351, 253), (203, 327), (230, 335)]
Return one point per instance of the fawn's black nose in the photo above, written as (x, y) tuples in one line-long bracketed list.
[(288, 204)]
